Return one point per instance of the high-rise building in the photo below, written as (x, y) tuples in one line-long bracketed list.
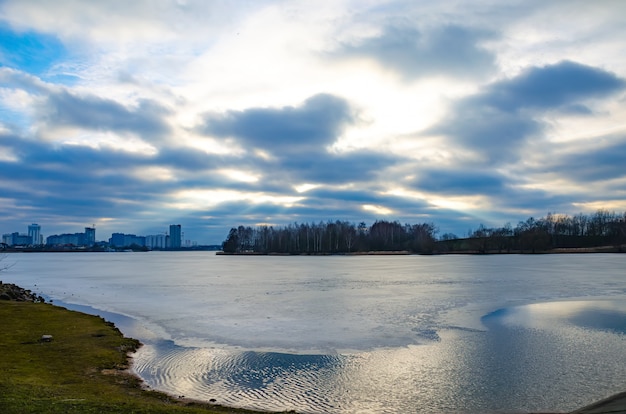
[(34, 232), (90, 236), (175, 236)]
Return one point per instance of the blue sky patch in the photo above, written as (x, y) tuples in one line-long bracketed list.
[(30, 52)]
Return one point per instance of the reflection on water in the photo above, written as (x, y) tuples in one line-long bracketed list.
[(545, 350), (610, 319), (260, 380), (599, 315)]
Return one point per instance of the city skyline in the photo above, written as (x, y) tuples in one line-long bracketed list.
[(173, 239), (220, 114)]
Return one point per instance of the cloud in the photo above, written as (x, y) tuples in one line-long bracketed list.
[(556, 86), (354, 166), (598, 165), (449, 50), (298, 138), (318, 122), (117, 21), (18, 80), (459, 181), (498, 121), (494, 136), (92, 112)]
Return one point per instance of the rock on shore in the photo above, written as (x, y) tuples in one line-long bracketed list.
[(9, 291)]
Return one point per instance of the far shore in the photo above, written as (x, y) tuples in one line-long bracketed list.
[(561, 250), (558, 250)]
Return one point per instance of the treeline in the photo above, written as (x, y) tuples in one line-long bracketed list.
[(332, 237), (602, 228)]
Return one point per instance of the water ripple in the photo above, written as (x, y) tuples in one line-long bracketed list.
[(258, 380)]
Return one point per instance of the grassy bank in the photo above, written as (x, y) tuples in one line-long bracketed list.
[(83, 369)]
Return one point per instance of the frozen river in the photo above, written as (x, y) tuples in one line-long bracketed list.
[(358, 334)]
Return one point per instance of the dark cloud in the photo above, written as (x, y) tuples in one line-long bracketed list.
[(497, 136), (338, 168), (108, 170), (562, 85), (298, 138), (360, 195), (321, 204), (316, 123), (443, 51), (498, 121), (540, 202), (190, 159), (600, 164), (459, 181), (15, 79), (73, 180), (104, 173), (92, 112)]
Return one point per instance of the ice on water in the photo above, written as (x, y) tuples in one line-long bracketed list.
[(306, 332)]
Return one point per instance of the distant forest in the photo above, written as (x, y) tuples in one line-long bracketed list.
[(555, 231)]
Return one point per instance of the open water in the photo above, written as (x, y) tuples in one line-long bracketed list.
[(357, 334)]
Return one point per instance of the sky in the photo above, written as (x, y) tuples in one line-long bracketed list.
[(132, 116)]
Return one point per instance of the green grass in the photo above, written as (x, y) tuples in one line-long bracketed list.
[(82, 370)]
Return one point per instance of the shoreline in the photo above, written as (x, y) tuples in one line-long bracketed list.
[(52, 320), (559, 250), (556, 250)]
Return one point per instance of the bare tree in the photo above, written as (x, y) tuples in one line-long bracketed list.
[(4, 266)]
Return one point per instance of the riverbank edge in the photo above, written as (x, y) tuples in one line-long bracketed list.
[(560, 250), (24, 298), (614, 404)]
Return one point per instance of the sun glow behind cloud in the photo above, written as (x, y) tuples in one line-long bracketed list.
[(380, 210), (303, 188), (98, 141), (610, 205), (153, 173), (238, 175), (457, 203), (198, 199)]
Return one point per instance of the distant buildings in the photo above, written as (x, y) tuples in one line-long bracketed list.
[(126, 240), (87, 239), (158, 241), (16, 239), (155, 242), (33, 238)]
